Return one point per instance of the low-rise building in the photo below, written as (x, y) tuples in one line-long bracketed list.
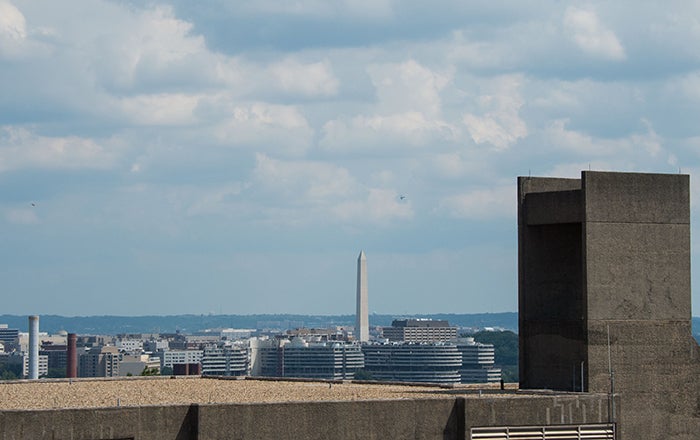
[(413, 362), (225, 360), (477, 362), (134, 365), (419, 330), (171, 357), (297, 357), (99, 362)]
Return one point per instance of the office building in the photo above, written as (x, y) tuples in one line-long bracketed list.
[(226, 360), (413, 362), (300, 358), (99, 362), (9, 337), (171, 357), (419, 330), (477, 362)]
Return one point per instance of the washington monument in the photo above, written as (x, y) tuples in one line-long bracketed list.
[(362, 316)]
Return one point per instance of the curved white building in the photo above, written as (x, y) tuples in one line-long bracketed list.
[(409, 362)]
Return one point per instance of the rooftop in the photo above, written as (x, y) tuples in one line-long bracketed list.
[(102, 393)]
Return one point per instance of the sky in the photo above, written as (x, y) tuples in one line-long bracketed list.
[(235, 157)]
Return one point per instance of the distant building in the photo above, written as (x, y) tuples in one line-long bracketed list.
[(134, 365), (57, 356), (43, 365), (477, 362), (99, 362), (413, 362), (130, 345), (9, 337), (155, 345), (171, 357), (227, 360), (419, 330), (335, 360)]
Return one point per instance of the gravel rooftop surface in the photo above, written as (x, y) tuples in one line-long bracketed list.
[(87, 393)]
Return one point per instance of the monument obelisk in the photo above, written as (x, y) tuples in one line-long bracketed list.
[(362, 316)]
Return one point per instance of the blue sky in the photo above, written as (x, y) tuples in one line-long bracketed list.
[(235, 157)]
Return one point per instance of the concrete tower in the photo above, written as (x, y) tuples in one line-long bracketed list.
[(33, 347), (604, 293), (362, 316)]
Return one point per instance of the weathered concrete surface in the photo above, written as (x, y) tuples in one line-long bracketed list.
[(415, 419), (547, 409), (448, 418), (634, 258), (153, 422)]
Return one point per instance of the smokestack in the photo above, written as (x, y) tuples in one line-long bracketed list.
[(33, 347), (362, 314), (72, 356)]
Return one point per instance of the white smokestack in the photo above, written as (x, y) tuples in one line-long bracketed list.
[(362, 315), (33, 347)]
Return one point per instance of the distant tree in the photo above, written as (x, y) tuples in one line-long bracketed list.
[(166, 371), (11, 372), (8, 375), (129, 374), (56, 373), (363, 375), (150, 371)]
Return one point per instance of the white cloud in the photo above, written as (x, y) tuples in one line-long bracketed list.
[(159, 109), (591, 36), (560, 137), (280, 128), (303, 182), (481, 204), (407, 112), (312, 79), (410, 129), (20, 148), (499, 124), (13, 29), (408, 86)]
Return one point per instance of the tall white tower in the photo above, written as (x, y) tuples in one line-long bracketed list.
[(362, 316)]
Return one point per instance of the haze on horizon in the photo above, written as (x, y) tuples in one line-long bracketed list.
[(167, 157)]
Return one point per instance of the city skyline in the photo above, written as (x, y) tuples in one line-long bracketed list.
[(173, 158)]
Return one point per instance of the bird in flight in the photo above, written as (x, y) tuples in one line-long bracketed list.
[(402, 197)]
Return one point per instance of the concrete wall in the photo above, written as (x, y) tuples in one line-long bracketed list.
[(420, 419), (550, 265)]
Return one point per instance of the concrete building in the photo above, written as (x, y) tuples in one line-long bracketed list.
[(134, 365), (334, 360), (413, 362), (99, 362), (171, 357), (56, 355), (604, 296), (225, 360), (419, 330), (477, 362), (130, 345), (362, 312), (9, 337)]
